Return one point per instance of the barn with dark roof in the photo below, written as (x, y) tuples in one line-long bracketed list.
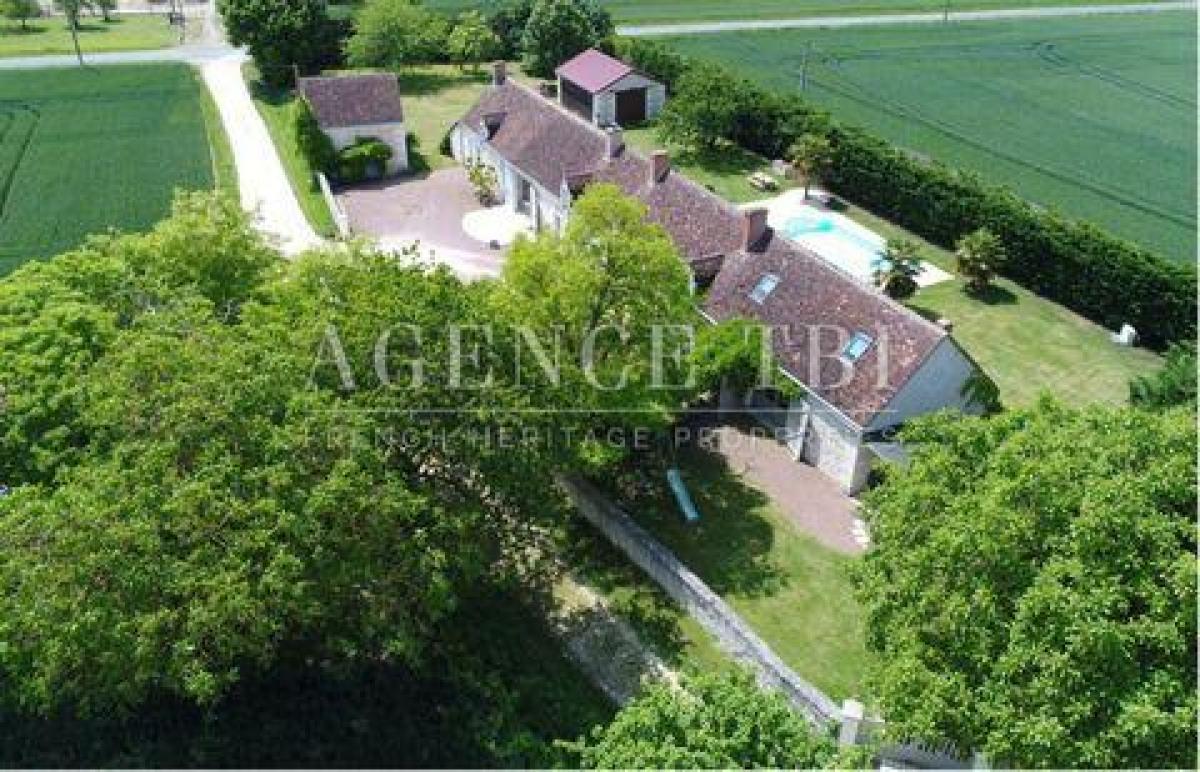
[(351, 107)]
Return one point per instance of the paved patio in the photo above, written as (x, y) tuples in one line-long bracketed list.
[(813, 502), (428, 210)]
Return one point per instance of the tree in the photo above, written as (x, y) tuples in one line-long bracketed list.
[(71, 9), (315, 145), (1031, 588), (106, 7), (20, 10), (900, 264), (977, 256), (558, 30), (472, 41), (711, 721), (1174, 384), (508, 22), (705, 110), (393, 33), (282, 35), (812, 155)]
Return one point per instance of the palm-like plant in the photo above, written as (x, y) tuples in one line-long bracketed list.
[(900, 264), (977, 255), (812, 156)]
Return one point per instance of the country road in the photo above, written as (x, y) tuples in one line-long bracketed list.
[(816, 22)]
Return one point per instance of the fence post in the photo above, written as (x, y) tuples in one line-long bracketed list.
[(852, 719)]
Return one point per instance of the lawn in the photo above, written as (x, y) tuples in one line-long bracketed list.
[(276, 108), (82, 151), (435, 97), (1026, 343), (667, 11), (51, 36), (795, 593), (1095, 116)]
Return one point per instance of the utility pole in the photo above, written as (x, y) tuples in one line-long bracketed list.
[(71, 7), (946, 13), (804, 65)]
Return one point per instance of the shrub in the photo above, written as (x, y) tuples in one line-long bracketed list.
[(1174, 385), (367, 157), (483, 179), (977, 255), (314, 144), (393, 33)]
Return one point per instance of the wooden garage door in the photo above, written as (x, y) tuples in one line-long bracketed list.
[(631, 106)]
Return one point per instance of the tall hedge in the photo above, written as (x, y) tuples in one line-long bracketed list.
[(1107, 279)]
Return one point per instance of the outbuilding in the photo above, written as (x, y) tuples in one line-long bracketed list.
[(353, 107), (608, 92)]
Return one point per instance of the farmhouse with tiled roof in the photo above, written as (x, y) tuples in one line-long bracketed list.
[(351, 107), (865, 362)]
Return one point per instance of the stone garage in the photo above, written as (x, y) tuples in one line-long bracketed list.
[(608, 92)]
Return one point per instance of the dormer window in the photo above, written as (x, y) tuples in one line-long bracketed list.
[(857, 346), (766, 285)]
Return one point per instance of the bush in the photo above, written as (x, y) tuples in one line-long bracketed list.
[(393, 33), (314, 144), (367, 157), (1102, 277)]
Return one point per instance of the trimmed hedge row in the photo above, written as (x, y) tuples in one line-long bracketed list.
[(1107, 279)]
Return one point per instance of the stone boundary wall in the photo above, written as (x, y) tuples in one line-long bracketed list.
[(705, 606)]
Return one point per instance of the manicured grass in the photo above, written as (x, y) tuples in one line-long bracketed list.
[(666, 11), (436, 96), (1093, 115), (795, 593), (1026, 343), (82, 151), (276, 108), (51, 36)]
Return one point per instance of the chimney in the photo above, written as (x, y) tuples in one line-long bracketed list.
[(499, 73), (660, 166), (754, 227), (614, 140)]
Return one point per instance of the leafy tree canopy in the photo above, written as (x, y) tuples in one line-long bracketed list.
[(393, 33), (1031, 591), (712, 721), (281, 34), (1174, 384), (558, 30)]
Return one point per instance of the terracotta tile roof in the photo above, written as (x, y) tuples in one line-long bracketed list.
[(354, 100), (811, 302), (550, 144), (593, 71), (536, 135)]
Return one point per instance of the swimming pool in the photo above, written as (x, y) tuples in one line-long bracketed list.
[(837, 239)]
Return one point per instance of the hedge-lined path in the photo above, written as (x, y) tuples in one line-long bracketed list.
[(265, 188), (651, 30)]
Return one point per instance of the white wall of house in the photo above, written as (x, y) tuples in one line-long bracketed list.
[(834, 445), (937, 385), (604, 104), (393, 134), (549, 209)]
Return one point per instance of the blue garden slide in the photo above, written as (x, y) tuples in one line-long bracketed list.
[(682, 497)]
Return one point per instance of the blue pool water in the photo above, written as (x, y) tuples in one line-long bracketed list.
[(838, 244)]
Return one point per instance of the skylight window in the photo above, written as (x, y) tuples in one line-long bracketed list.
[(766, 285), (857, 346)]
